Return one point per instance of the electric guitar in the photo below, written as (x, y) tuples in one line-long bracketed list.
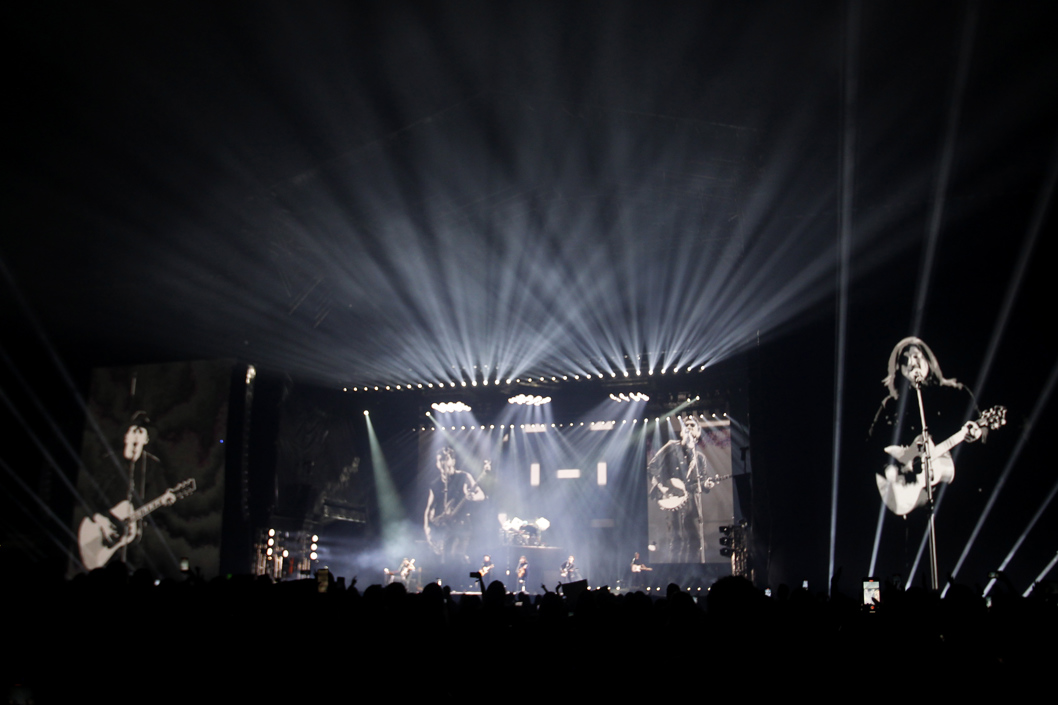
[(902, 483), (96, 538)]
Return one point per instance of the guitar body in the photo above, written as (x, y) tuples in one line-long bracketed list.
[(91, 536), (677, 494), (675, 497), (903, 482), (445, 527)]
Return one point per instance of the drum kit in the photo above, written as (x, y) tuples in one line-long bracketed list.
[(519, 532)]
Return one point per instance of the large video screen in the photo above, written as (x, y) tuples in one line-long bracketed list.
[(151, 488), (689, 489)]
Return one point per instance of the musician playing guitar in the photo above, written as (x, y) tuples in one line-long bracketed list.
[(677, 471), (486, 568), (568, 571), (446, 521), (919, 390), (638, 567), (522, 572)]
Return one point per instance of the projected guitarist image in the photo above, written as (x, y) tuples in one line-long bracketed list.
[(920, 394), (678, 482), (447, 520), (103, 535)]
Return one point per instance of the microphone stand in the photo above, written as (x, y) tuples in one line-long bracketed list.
[(925, 446)]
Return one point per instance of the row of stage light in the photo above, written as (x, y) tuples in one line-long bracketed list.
[(708, 420), (498, 382), (451, 407)]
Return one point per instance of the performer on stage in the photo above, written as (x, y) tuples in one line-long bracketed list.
[(446, 521), (486, 568), (522, 573), (638, 568), (401, 574), (676, 471), (568, 571), (918, 389)]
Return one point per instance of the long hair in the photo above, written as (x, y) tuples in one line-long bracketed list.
[(935, 375)]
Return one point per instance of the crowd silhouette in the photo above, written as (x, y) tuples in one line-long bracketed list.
[(123, 636)]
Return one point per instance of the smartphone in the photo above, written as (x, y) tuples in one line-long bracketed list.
[(872, 594)]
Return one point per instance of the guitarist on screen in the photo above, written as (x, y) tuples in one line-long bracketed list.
[(111, 532), (919, 390), (446, 521), (678, 472), (116, 532)]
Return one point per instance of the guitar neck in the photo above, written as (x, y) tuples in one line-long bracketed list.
[(149, 507), (955, 439)]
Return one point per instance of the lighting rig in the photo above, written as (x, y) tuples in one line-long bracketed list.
[(285, 554), (734, 543)]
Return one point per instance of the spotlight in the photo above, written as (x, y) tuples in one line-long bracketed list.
[(365, 413), (449, 407), (527, 399)]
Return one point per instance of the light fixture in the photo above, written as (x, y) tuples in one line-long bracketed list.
[(449, 407), (528, 399)]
